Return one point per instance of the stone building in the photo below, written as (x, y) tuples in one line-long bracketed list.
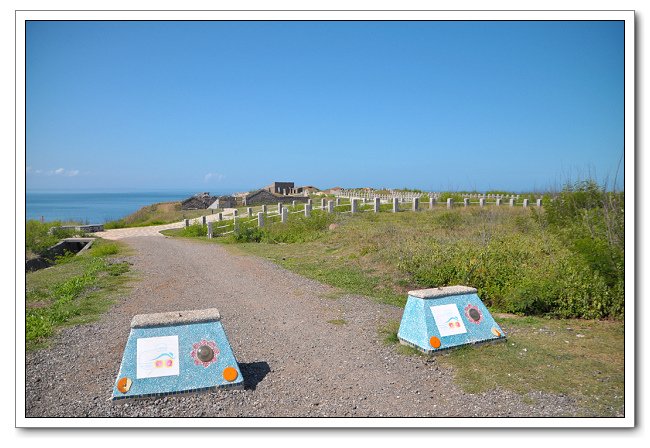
[(199, 201), (289, 188), (224, 202), (264, 196)]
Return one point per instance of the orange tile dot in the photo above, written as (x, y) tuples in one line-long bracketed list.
[(124, 384), (230, 374), (435, 342), (496, 332)]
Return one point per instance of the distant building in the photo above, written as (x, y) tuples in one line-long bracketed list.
[(224, 202), (289, 188), (264, 196), (199, 201), (333, 190), (280, 187)]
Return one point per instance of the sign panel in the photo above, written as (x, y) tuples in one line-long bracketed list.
[(448, 319), (156, 357)]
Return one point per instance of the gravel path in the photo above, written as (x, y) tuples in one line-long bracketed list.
[(294, 362)]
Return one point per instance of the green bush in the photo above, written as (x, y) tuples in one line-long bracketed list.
[(37, 238), (299, 229), (194, 230)]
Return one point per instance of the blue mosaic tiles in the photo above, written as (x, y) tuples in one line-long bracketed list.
[(438, 319), (167, 356)]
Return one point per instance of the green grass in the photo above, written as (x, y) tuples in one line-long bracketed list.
[(73, 292), (579, 358), (337, 322), (156, 214)]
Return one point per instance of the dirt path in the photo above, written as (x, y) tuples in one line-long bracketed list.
[(129, 232), (302, 352)]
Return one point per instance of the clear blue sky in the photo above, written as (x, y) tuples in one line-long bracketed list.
[(229, 106)]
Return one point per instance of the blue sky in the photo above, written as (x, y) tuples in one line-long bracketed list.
[(228, 106)]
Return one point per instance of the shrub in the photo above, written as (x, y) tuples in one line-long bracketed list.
[(194, 230), (37, 236)]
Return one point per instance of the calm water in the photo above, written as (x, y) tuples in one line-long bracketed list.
[(94, 208)]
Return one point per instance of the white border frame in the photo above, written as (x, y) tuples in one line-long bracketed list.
[(630, 401)]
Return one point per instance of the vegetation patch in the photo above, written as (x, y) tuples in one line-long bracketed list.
[(579, 358), (156, 214), (76, 290)]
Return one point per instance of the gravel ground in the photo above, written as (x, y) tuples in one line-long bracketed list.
[(294, 362)]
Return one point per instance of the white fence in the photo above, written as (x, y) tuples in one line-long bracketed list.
[(262, 216)]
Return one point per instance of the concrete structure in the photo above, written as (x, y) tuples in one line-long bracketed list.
[(481, 202), (466, 202), (438, 319), (224, 202), (395, 205), (377, 205), (263, 196), (199, 201), (416, 204), (176, 352), (450, 202)]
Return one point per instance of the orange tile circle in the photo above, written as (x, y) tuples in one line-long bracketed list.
[(230, 374), (435, 342), (496, 332), (124, 384)]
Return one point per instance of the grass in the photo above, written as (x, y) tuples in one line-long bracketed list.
[(74, 291), (579, 358), (156, 214)]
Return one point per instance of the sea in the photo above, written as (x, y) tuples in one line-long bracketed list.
[(94, 207)]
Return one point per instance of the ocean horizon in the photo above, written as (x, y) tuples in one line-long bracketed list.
[(95, 207)]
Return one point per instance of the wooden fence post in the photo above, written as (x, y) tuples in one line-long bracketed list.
[(395, 205), (264, 208), (525, 203), (307, 210), (260, 219), (353, 205), (416, 204), (187, 223), (280, 207), (210, 230), (330, 206), (377, 204), (512, 202), (481, 202), (219, 216), (466, 202), (539, 202), (450, 202), (498, 201)]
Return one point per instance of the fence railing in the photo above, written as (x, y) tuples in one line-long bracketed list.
[(262, 216)]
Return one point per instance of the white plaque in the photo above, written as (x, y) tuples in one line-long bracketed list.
[(157, 357), (448, 319)]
